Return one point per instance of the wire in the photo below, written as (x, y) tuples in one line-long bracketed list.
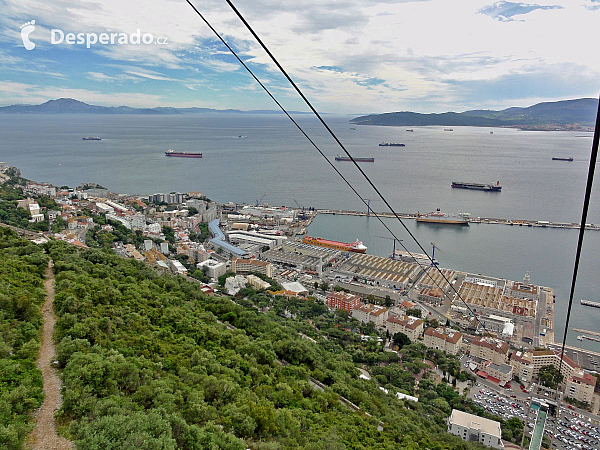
[(325, 157), (586, 204)]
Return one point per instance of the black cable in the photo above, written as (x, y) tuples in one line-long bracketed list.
[(586, 204), (327, 159)]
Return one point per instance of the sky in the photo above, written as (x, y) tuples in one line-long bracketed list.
[(348, 56)]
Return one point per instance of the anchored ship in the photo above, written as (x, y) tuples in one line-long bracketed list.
[(92, 138), (410, 130), (183, 154), (478, 186), (557, 158), (356, 158), (356, 246), (442, 218), (588, 303), (391, 144)]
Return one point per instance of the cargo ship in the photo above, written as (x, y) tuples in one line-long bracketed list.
[(356, 246), (410, 130), (448, 129), (391, 144), (588, 303), (183, 154), (92, 138), (478, 186), (356, 158), (442, 218), (557, 158)]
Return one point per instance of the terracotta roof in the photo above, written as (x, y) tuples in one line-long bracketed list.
[(586, 379)]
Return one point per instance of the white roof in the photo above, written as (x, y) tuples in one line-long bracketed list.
[(294, 286), (467, 420)]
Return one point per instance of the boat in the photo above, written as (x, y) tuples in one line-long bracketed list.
[(357, 246), (442, 218), (478, 186), (183, 154), (448, 129), (391, 144), (491, 132), (92, 138), (558, 158), (588, 303), (410, 130), (580, 338), (242, 136), (356, 158), (353, 128)]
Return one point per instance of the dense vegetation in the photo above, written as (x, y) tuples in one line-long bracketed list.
[(150, 362), (22, 266)]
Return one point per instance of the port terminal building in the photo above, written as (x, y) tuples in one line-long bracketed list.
[(380, 271)]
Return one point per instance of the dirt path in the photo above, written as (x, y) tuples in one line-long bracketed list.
[(43, 436)]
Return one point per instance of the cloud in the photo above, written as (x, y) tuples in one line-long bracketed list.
[(356, 55), (505, 11)]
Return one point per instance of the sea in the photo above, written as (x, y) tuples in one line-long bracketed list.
[(246, 156)]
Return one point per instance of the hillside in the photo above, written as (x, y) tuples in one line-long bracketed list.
[(72, 106), (565, 114), (150, 362)]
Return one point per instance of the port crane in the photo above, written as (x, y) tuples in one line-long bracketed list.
[(394, 248), (258, 202), (303, 217), (433, 261), (368, 200)]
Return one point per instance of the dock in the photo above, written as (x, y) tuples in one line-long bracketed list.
[(472, 220), (593, 333)]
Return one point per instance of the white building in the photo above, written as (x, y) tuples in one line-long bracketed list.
[(474, 428), (214, 269), (104, 208)]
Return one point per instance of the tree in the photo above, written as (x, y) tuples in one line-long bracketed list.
[(388, 301), (415, 312), (549, 376), (324, 286), (192, 211), (401, 339)]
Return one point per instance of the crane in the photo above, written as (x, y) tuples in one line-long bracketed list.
[(258, 202), (391, 239), (368, 200), (433, 261), (300, 206)]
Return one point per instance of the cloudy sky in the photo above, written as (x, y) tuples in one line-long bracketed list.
[(350, 56)]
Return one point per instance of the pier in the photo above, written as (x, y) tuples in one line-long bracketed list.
[(593, 333), (472, 220), (588, 303)]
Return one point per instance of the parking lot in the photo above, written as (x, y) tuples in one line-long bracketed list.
[(574, 431)]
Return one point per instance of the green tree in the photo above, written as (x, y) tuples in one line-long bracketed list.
[(401, 339)]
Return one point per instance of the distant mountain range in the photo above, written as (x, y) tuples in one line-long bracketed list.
[(69, 105), (579, 114)]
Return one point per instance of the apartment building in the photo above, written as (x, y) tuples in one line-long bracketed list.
[(581, 387), (370, 313), (410, 326), (251, 265), (439, 340), (343, 300), (493, 350)]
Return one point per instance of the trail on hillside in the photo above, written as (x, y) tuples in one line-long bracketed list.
[(43, 436)]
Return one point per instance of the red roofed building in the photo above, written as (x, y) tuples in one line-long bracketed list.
[(439, 340), (581, 387), (370, 313), (543, 358), (490, 349), (342, 300), (410, 326)]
